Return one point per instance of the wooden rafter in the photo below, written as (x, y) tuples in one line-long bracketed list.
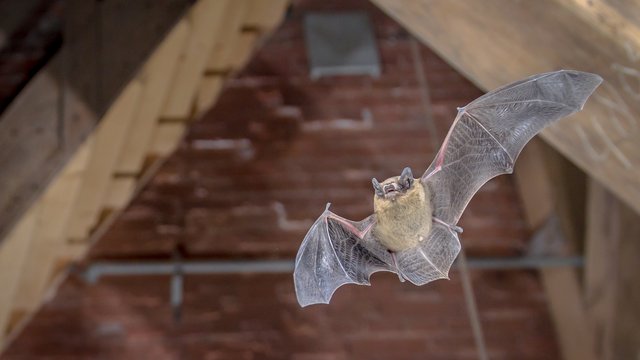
[(147, 120), (540, 198), (495, 42)]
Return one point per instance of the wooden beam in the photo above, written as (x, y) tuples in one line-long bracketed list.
[(50, 117), (561, 284), (147, 121), (106, 149), (220, 59), (50, 224), (12, 255), (494, 42), (167, 138), (105, 43), (265, 15), (156, 78), (599, 275), (205, 19), (611, 277)]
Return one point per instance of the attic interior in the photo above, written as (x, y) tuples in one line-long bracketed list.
[(163, 160)]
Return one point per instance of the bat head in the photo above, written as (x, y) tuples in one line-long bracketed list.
[(395, 186)]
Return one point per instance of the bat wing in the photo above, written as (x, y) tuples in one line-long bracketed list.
[(483, 142), (336, 251), (432, 258), (489, 133)]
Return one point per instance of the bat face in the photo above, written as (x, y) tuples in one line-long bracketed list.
[(394, 187)]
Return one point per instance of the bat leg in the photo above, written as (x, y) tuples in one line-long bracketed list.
[(454, 228), (395, 264)]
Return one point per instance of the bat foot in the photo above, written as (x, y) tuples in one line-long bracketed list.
[(454, 228)]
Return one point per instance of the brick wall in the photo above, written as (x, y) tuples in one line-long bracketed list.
[(247, 182)]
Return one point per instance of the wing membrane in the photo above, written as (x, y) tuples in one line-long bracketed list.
[(332, 254), (489, 133)]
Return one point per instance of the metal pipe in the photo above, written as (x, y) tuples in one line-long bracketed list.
[(98, 269)]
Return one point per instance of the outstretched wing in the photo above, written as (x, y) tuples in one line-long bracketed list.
[(489, 133), (335, 252)]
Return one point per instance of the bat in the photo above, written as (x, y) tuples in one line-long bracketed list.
[(413, 231)]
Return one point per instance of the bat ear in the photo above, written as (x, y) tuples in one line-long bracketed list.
[(406, 177), (377, 187)]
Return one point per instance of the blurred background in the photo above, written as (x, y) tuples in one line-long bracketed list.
[(162, 161)]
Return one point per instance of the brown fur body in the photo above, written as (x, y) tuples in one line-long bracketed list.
[(404, 220)]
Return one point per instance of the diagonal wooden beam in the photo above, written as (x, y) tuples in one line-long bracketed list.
[(494, 42), (12, 256), (539, 196), (146, 121), (205, 18), (35, 273), (107, 146), (611, 275)]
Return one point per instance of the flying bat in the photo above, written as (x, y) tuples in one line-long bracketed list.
[(413, 231)]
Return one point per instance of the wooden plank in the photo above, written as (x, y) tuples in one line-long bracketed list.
[(567, 308), (210, 88), (266, 15), (599, 274), (611, 277), (106, 42), (12, 255), (564, 294), (245, 45), (226, 41), (156, 77), (107, 144), (626, 332), (495, 42), (532, 178), (610, 17), (19, 135), (568, 186), (54, 214), (120, 191), (167, 138), (205, 18)]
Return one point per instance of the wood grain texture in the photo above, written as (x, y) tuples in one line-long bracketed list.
[(226, 40), (600, 283), (542, 197), (156, 77), (105, 172), (265, 15), (495, 42), (205, 20), (50, 224), (611, 277), (105, 43), (108, 141), (12, 255)]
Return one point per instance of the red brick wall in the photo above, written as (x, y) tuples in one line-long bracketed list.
[(225, 203)]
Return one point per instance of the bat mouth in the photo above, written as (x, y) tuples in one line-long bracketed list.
[(390, 189)]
